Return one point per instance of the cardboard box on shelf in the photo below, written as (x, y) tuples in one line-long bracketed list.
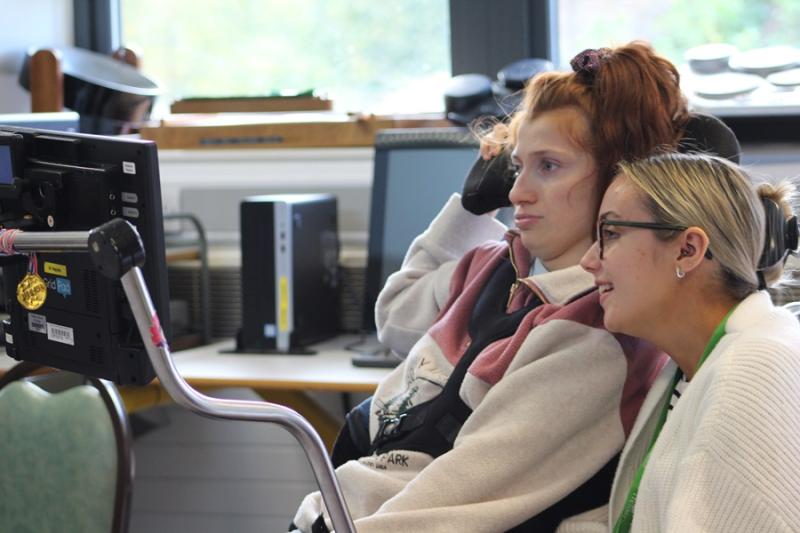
[(252, 104)]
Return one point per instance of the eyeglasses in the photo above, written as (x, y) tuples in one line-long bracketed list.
[(602, 234)]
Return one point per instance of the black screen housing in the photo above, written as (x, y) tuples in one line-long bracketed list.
[(415, 172), (75, 182)]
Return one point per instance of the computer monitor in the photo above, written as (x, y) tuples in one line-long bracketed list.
[(416, 171), (56, 181)]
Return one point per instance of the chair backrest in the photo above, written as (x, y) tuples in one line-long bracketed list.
[(708, 134), (65, 454)]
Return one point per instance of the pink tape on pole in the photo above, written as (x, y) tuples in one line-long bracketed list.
[(7, 238), (156, 333)]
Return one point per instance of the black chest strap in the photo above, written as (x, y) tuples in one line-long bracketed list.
[(431, 427)]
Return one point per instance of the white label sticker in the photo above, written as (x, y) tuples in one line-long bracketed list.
[(9, 338), (130, 212), (129, 167), (61, 334), (37, 323), (129, 197)]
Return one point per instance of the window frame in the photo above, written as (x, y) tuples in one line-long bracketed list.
[(97, 25), (485, 35)]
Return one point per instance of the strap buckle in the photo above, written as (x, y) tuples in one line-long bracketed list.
[(389, 426)]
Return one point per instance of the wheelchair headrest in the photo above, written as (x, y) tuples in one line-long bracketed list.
[(708, 134)]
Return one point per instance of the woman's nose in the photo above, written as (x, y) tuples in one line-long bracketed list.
[(590, 261), (522, 191)]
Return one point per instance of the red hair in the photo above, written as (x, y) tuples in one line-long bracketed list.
[(632, 101)]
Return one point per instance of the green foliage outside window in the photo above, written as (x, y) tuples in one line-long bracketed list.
[(363, 54)]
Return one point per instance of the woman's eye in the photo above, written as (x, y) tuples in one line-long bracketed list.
[(608, 234), (549, 166), (515, 170)]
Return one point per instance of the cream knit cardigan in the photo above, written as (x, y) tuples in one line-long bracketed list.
[(728, 458)]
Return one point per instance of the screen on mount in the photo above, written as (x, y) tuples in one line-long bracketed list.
[(416, 171), (75, 182)]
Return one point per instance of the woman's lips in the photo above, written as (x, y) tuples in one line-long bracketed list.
[(604, 289), (526, 221)]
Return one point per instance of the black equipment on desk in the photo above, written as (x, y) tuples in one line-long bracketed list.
[(290, 273), (56, 181), (416, 171)]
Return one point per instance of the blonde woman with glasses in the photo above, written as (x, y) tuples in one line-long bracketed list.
[(680, 260)]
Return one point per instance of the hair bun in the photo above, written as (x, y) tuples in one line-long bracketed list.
[(587, 63)]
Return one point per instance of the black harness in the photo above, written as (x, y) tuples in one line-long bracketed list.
[(431, 427)]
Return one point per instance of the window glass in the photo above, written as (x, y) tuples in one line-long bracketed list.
[(381, 57), (675, 27)]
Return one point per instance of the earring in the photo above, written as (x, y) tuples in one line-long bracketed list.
[(680, 273)]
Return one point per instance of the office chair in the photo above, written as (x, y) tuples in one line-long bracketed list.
[(709, 135), (65, 453)]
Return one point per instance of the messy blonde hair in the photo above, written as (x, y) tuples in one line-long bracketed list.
[(716, 195)]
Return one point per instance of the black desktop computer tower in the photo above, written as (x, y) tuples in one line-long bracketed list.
[(290, 276)]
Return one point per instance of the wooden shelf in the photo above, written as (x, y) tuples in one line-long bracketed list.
[(277, 130)]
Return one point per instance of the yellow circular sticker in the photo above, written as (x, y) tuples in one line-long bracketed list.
[(31, 292)]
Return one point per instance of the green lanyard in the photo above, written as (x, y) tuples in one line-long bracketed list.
[(623, 524)]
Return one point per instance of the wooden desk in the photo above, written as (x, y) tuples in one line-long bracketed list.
[(277, 378)]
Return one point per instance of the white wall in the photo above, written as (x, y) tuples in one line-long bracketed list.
[(211, 183), (24, 24)]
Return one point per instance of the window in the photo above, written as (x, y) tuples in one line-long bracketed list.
[(674, 26), (741, 86), (395, 57), (381, 57)]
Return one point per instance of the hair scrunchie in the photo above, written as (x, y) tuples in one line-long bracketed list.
[(587, 63)]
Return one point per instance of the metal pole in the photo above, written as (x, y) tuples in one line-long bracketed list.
[(184, 395), (57, 241)]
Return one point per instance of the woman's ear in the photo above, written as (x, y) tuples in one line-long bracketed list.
[(694, 243)]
